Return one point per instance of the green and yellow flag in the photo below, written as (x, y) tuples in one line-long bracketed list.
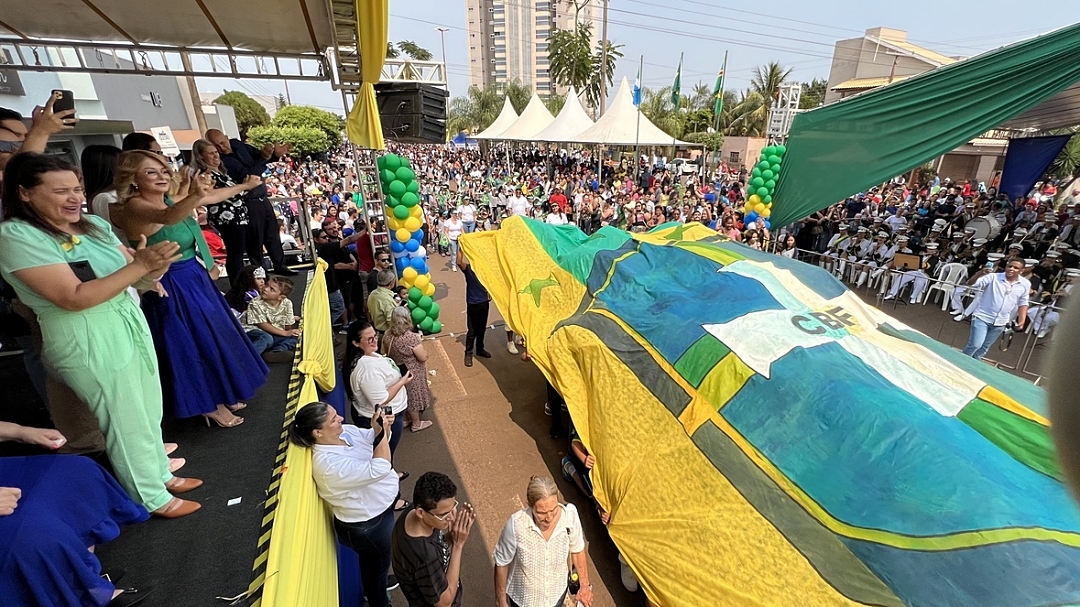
[(675, 87)]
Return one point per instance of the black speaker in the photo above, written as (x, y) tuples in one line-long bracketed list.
[(412, 112)]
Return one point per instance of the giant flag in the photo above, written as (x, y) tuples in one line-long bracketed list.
[(763, 437)]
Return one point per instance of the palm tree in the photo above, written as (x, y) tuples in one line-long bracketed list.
[(519, 94), (767, 81), (614, 53), (475, 111), (554, 103), (656, 106), (751, 112), (701, 97)]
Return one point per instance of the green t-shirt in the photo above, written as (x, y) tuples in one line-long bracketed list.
[(24, 246)]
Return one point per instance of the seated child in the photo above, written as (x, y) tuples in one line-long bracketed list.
[(271, 314)]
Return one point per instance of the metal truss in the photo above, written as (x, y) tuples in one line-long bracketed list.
[(37, 55)]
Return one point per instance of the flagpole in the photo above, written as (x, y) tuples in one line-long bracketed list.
[(723, 77), (637, 133), (678, 106)]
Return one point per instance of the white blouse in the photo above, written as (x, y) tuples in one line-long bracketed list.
[(538, 567), (357, 486), (371, 379)]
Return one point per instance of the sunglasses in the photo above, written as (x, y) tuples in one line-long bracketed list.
[(383, 259)]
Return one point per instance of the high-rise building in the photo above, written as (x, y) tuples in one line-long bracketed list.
[(508, 39)]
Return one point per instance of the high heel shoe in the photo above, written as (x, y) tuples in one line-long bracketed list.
[(232, 424), (170, 447), (182, 485), (176, 463), (177, 508), (236, 407)]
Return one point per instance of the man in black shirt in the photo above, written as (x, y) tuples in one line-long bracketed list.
[(330, 251), (427, 543)]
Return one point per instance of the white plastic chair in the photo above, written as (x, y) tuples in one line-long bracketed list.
[(949, 276)]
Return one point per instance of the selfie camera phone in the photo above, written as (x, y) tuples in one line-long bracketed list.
[(63, 100), (388, 410)]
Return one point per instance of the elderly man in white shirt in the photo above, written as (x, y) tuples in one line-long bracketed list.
[(353, 475), (540, 537), (1003, 295)]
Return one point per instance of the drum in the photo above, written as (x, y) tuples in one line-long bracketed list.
[(985, 227)]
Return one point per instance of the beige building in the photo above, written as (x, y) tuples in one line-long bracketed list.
[(508, 39), (882, 55), (740, 152)]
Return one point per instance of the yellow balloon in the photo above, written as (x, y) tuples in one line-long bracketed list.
[(429, 290), (758, 208), (412, 224), (766, 212), (408, 284), (416, 212), (422, 281), (753, 200), (395, 223), (402, 235), (408, 274)]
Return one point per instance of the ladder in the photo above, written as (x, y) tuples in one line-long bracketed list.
[(374, 206)]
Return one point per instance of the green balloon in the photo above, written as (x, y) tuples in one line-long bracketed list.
[(780, 150), (756, 172), (436, 327), (775, 169), (418, 315), (433, 311), (410, 199), (413, 187), (415, 294), (405, 174), (774, 159), (380, 162), (764, 164), (768, 151), (404, 161), (757, 182), (386, 175), (401, 212), (424, 303), (767, 199), (770, 184), (392, 162), (767, 174), (427, 325), (392, 202), (762, 192), (397, 188)]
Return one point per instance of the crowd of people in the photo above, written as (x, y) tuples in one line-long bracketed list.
[(146, 289)]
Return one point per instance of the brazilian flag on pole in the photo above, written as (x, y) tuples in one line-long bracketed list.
[(718, 94), (675, 96)]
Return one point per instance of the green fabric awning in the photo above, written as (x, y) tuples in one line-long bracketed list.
[(840, 149)]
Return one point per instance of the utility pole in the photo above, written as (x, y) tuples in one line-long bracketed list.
[(193, 90), (288, 97), (603, 61), (442, 36)]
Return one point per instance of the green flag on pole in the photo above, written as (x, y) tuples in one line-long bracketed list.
[(718, 94), (675, 96)]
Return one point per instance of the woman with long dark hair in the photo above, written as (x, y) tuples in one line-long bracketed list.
[(211, 365), (99, 177), (373, 381), (74, 273)]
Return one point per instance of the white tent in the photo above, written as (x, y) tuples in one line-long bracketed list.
[(506, 118), (618, 126), (572, 119), (533, 119)]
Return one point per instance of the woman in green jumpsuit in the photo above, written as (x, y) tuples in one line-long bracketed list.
[(74, 273)]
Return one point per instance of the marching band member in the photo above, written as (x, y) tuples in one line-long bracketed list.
[(930, 260)]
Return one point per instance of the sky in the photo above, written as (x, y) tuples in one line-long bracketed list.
[(797, 33)]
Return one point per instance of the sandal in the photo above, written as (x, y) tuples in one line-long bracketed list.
[(424, 425), (405, 505), (236, 407)]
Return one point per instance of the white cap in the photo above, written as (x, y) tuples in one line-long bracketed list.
[(1030, 262), (1072, 272), (978, 242), (905, 239), (1016, 245), (1053, 254), (931, 246), (1019, 232), (843, 226), (882, 234), (995, 256), (958, 234), (939, 222), (863, 229)]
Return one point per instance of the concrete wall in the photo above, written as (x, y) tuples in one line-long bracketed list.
[(748, 149), (845, 64), (130, 97)]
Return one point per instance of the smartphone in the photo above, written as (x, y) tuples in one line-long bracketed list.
[(989, 265), (387, 410), (63, 100)]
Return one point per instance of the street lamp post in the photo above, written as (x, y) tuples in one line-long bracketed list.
[(442, 36)]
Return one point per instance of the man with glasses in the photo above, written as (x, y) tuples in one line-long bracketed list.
[(428, 542)]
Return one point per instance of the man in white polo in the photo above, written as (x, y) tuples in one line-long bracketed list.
[(1002, 295)]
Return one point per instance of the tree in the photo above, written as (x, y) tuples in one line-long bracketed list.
[(554, 103), (305, 116), (1067, 163), (573, 62), (306, 141), (656, 106), (248, 111), (414, 50), (751, 112), (712, 141), (475, 111), (391, 52), (701, 97), (813, 94), (280, 101), (519, 94), (767, 81)]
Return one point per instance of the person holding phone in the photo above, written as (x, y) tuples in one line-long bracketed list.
[(353, 475), (375, 381)]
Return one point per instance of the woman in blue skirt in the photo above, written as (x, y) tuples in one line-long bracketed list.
[(208, 364)]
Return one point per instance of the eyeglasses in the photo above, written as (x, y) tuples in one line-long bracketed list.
[(157, 173), (443, 517)]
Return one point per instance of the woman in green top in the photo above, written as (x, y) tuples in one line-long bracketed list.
[(209, 365), (74, 273)]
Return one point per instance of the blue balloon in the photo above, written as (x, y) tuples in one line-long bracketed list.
[(768, 226), (396, 246), (751, 216), (423, 269), (418, 236), (412, 244), (417, 264), (401, 264)]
